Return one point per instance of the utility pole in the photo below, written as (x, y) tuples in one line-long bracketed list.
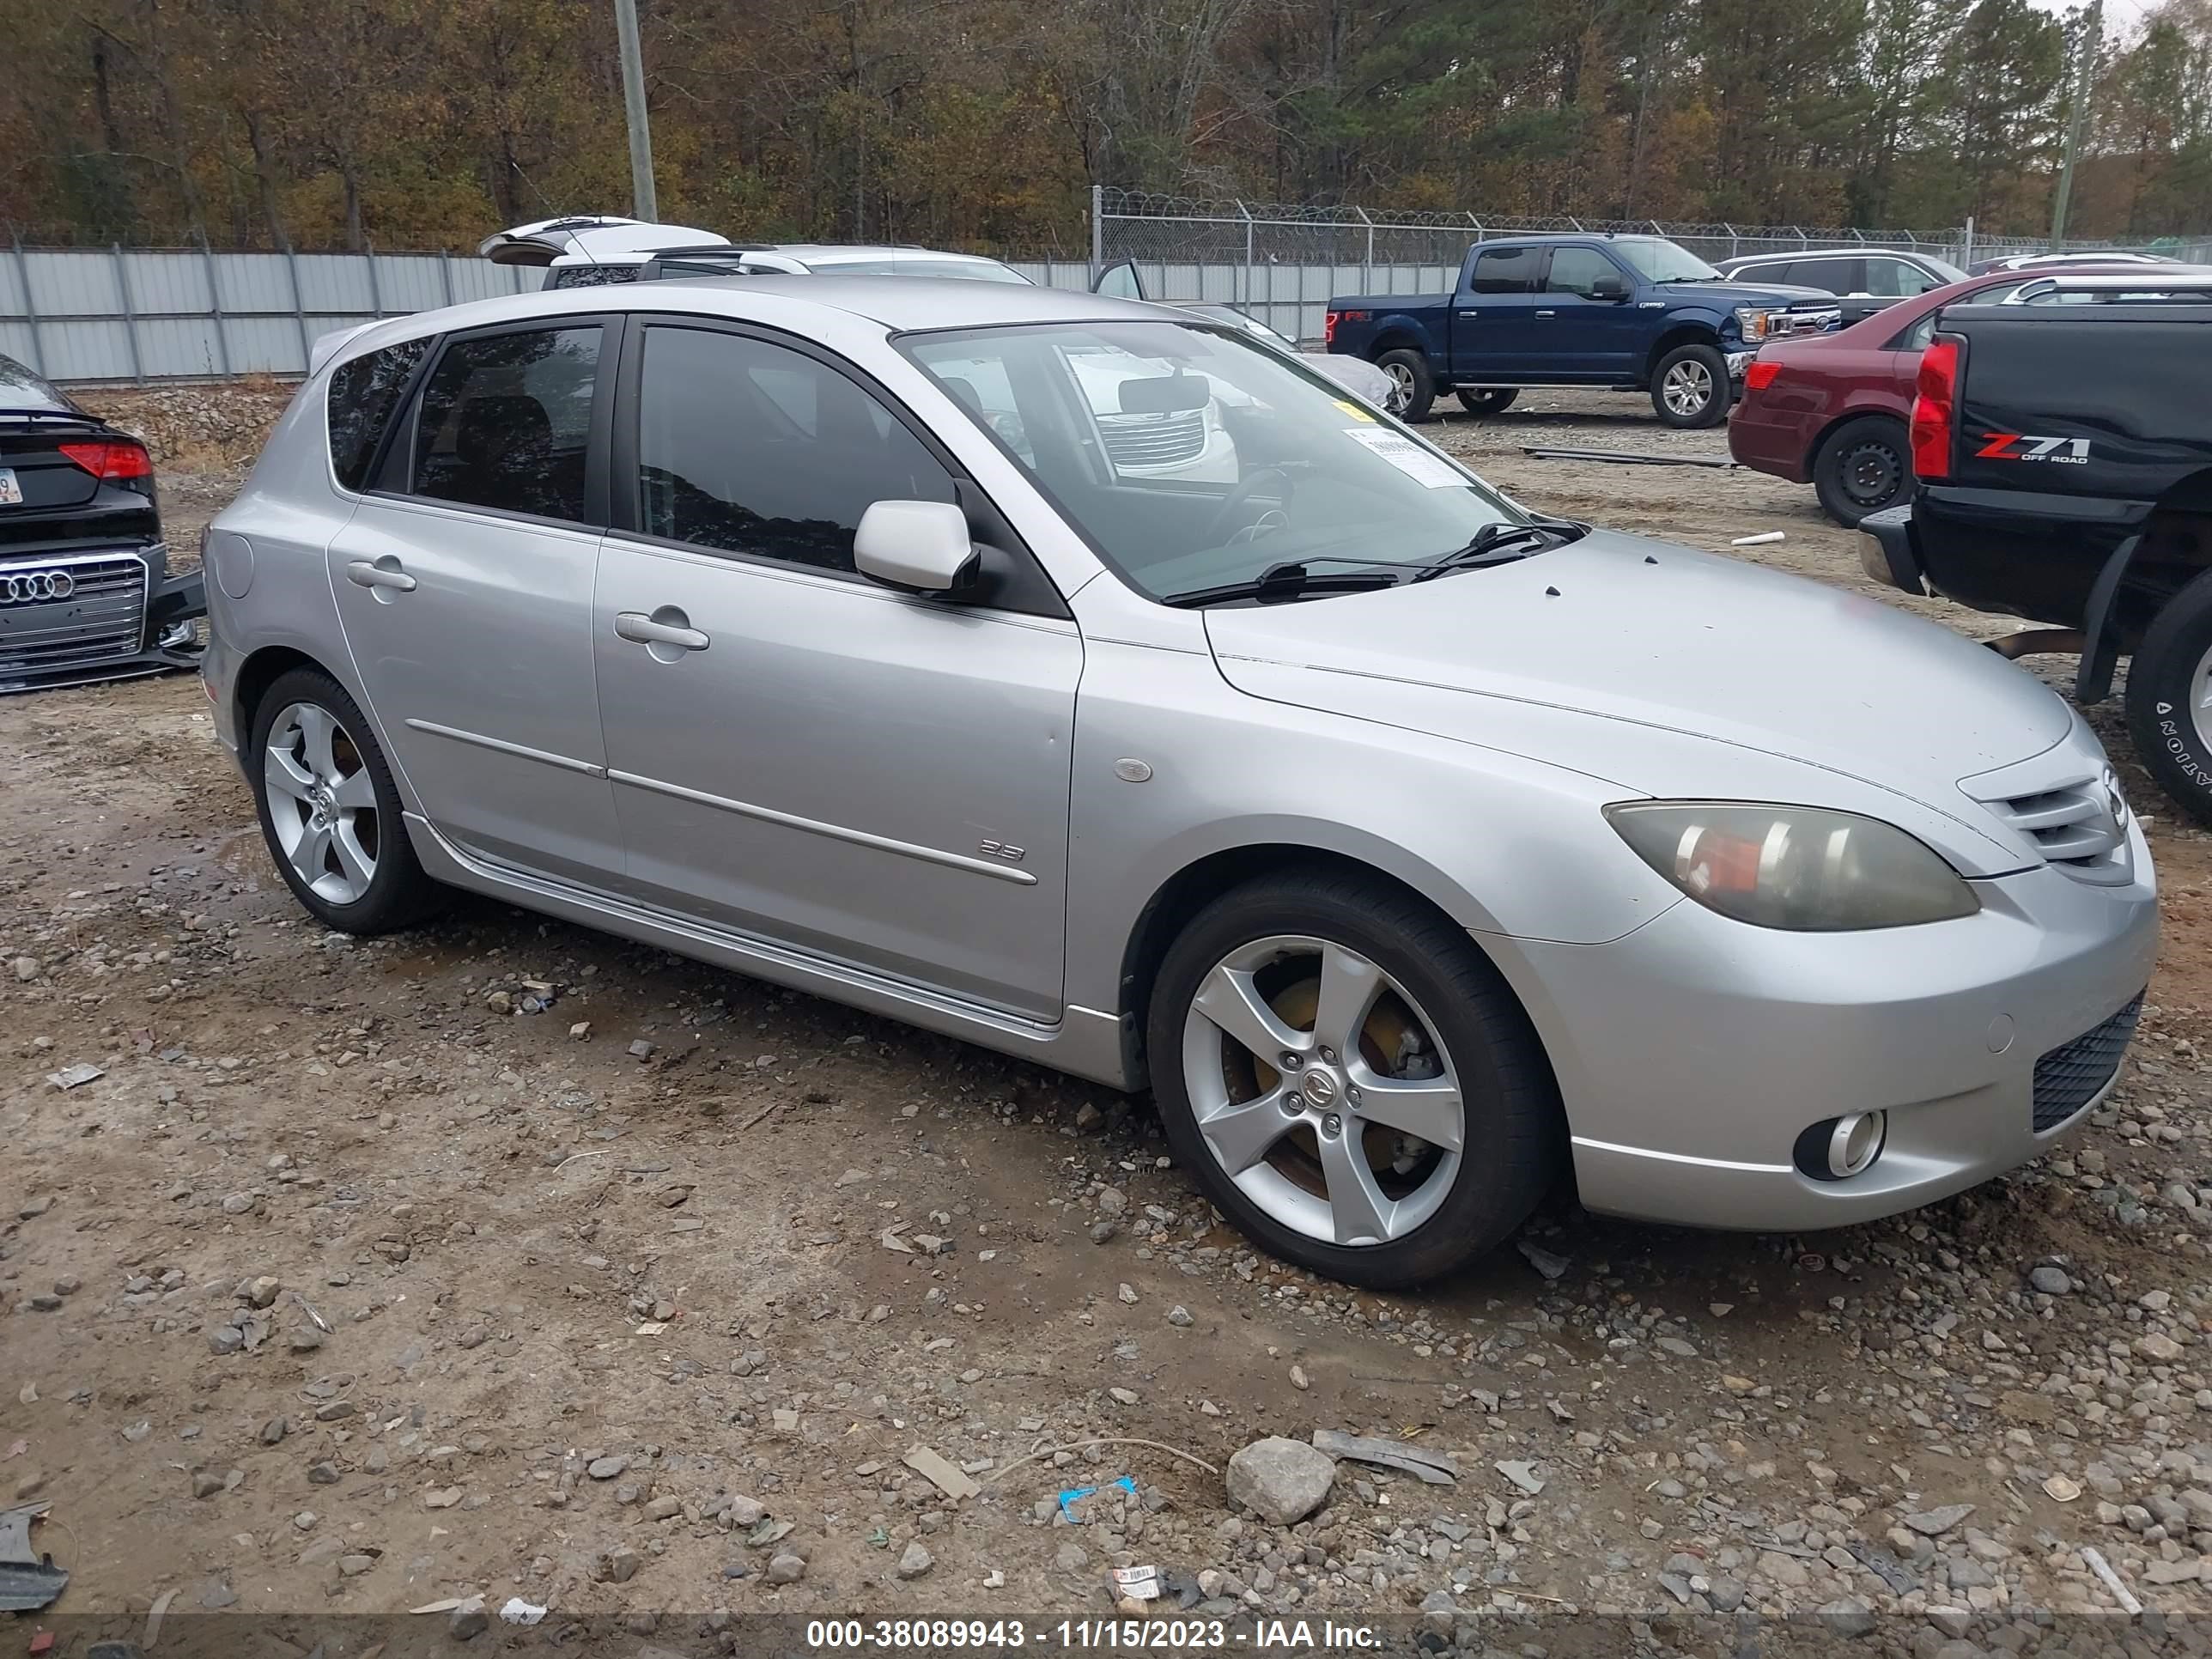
[(643, 204), (2093, 40)]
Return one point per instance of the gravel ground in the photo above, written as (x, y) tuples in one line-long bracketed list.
[(348, 1287)]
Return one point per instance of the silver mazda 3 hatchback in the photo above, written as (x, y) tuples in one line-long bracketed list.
[(1081, 679)]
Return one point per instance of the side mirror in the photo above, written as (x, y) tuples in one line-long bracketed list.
[(1608, 287), (922, 547)]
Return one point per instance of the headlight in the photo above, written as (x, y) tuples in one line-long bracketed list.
[(1753, 321), (1804, 869)]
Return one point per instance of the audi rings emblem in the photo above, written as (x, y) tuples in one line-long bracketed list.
[(28, 586)]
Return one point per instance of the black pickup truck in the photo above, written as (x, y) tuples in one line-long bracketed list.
[(2062, 443)]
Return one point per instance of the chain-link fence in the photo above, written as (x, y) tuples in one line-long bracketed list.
[(1282, 264)]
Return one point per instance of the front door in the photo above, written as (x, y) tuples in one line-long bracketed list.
[(463, 584), (798, 753), (1581, 334)]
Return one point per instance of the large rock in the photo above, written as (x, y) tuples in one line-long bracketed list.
[(1282, 1481)]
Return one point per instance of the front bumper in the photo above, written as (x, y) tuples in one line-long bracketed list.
[(164, 641), (1692, 1053), (1739, 362)]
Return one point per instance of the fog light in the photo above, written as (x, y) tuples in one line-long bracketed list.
[(1838, 1148)]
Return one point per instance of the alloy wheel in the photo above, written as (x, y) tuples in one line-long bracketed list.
[(1401, 388), (2200, 700), (322, 802), (1687, 388), (1321, 1090)]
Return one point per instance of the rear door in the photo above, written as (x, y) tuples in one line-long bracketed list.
[(464, 581), (1494, 317), (1578, 334)]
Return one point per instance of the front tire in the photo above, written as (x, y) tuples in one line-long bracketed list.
[(1350, 1080), (330, 811), (1861, 467), (1690, 387), (1413, 388), (2169, 699), (1487, 400)]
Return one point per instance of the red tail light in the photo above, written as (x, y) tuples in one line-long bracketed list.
[(1761, 375), (110, 462), (1935, 410), (1328, 329)]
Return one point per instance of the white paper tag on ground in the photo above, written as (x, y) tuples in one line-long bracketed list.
[(1138, 1584), (1409, 456)]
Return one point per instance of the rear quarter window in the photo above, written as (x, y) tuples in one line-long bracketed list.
[(363, 395)]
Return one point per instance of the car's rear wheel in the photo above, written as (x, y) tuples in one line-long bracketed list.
[(1487, 400), (2170, 698), (1350, 1080), (1690, 387), (329, 810), (1861, 467), (1413, 388)]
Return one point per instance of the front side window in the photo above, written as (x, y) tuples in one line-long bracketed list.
[(506, 419), (363, 394), (1663, 262), (747, 447), (1579, 271), (1506, 270), (1193, 458)]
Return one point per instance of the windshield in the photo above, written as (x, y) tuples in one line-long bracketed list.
[(1192, 458), (1662, 262)]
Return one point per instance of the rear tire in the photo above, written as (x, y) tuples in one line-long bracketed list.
[(2169, 699), (329, 812), (1487, 400), (1413, 389), (1397, 1026), (1690, 387), (1861, 467)]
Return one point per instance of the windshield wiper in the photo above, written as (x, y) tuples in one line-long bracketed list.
[(1289, 580), (1501, 544)]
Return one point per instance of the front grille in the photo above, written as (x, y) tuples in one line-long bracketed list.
[(2079, 824), (1137, 442), (103, 616), (2069, 1076)]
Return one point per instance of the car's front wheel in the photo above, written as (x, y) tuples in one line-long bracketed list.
[(329, 810), (1690, 387), (1862, 467), (1350, 1079)]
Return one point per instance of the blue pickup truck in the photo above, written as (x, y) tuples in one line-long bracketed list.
[(1636, 313)]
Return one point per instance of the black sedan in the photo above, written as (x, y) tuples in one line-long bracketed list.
[(85, 592)]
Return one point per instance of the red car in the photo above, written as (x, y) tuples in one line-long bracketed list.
[(1830, 409)]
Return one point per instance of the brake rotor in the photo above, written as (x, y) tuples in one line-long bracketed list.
[(1391, 1042)]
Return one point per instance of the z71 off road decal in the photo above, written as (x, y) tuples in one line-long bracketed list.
[(2026, 446)]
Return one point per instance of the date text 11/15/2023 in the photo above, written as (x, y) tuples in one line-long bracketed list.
[(983, 1637)]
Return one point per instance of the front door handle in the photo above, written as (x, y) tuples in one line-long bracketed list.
[(1548, 313), (383, 573), (666, 626)]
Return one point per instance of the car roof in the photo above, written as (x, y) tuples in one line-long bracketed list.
[(1850, 252), (897, 304)]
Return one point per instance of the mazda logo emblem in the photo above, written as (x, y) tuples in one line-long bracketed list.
[(25, 586)]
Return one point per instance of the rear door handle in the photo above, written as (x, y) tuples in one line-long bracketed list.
[(641, 629), (384, 573)]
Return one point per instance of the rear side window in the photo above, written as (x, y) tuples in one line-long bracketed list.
[(1506, 270), (1844, 276), (363, 395), (506, 419)]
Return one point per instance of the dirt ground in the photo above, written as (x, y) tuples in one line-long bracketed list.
[(345, 1288)]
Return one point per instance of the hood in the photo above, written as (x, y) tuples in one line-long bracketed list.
[(1605, 655), (1726, 294)]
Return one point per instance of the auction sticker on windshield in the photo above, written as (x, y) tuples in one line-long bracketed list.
[(11, 493), (1409, 457)]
